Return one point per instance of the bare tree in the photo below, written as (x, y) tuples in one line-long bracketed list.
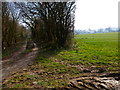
[(11, 29), (51, 23)]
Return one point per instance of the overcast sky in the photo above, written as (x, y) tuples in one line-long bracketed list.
[(96, 14)]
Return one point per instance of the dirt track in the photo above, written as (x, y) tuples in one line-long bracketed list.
[(18, 61)]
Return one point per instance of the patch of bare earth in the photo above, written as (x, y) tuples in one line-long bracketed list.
[(95, 83), (95, 78)]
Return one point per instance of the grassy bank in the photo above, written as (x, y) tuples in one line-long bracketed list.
[(7, 52)]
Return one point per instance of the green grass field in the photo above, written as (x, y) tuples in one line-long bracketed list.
[(99, 48), (56, 68)]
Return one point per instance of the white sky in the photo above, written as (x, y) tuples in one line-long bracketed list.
[(96, 14)]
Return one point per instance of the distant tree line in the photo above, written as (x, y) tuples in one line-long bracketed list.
[(51, 23), (109, 29), (12, 31)]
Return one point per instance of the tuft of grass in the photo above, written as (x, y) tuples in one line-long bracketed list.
[(27, 51), (18, 85), (41, 59), (52, 83)]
